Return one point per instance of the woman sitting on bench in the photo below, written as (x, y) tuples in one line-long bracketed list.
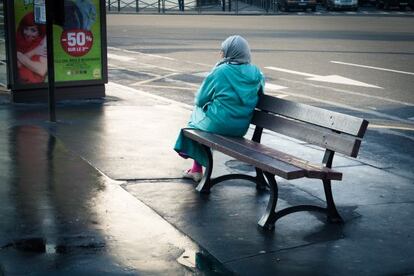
[(224, 103)]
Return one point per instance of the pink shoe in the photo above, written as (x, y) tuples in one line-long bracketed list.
[(196, 176)]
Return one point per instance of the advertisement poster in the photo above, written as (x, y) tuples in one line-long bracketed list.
[(77, 42), (31, 48)]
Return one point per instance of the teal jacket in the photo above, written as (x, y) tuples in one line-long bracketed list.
[(224, 104)]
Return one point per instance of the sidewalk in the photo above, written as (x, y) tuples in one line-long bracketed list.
[(100, 193)]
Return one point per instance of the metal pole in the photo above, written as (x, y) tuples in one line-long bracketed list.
[(50, 61)]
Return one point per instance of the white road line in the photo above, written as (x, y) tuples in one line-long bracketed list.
[(350, 92), (330, 78), (160, 67), (273, 87), (154, 79), (201, 64), (372, 67), (391, 127), (396, 133), (291, 71), (169, 87), (201, 74), (125, 58), (133, 90), (120, 58), (372, 112), (137, 52), (126, 69)]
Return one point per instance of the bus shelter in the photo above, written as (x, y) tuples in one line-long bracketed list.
[(79, 43)]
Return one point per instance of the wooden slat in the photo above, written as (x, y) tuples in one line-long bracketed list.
[(316, 135), (312, 170), (255, 153), (314, 115), (256, 159)]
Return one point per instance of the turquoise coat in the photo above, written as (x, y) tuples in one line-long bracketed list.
[(224, 104)]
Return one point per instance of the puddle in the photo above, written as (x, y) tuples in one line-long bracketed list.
[(41, 246), (202, 263), (36, 245)]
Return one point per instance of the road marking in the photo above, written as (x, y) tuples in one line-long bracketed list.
[(112, 85), (351, 92), (372, 67), (396, 133), (330, 78), (201, 74), (169, 87), (113, 66), (290, 71), (154, 79), (273, 87), (372, 112), (160, 67), (391, 127), (120, 58), (126, 58), (137, 52)]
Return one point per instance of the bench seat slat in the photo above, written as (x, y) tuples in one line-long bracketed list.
[(262, 157), (314, 115), (312, 170), (313, 134), (258, 160)]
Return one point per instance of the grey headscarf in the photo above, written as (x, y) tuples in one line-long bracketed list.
[(236, 50)]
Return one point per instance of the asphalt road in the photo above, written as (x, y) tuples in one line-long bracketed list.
[(360, 65)]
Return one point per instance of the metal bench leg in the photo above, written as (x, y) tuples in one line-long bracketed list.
[(333, 215), (269, 218), (261, 183), (205, 183)]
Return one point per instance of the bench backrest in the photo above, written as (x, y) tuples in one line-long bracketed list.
[(328, 129)]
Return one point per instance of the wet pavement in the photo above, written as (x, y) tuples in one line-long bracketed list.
[(99, 193)]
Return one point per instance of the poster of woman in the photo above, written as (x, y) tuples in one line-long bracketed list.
[(76, 38), (31, 50)]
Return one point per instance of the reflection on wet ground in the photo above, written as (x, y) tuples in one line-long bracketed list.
[(59, 214)]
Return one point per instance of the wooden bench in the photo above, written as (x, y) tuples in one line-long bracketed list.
[(333, 131)]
